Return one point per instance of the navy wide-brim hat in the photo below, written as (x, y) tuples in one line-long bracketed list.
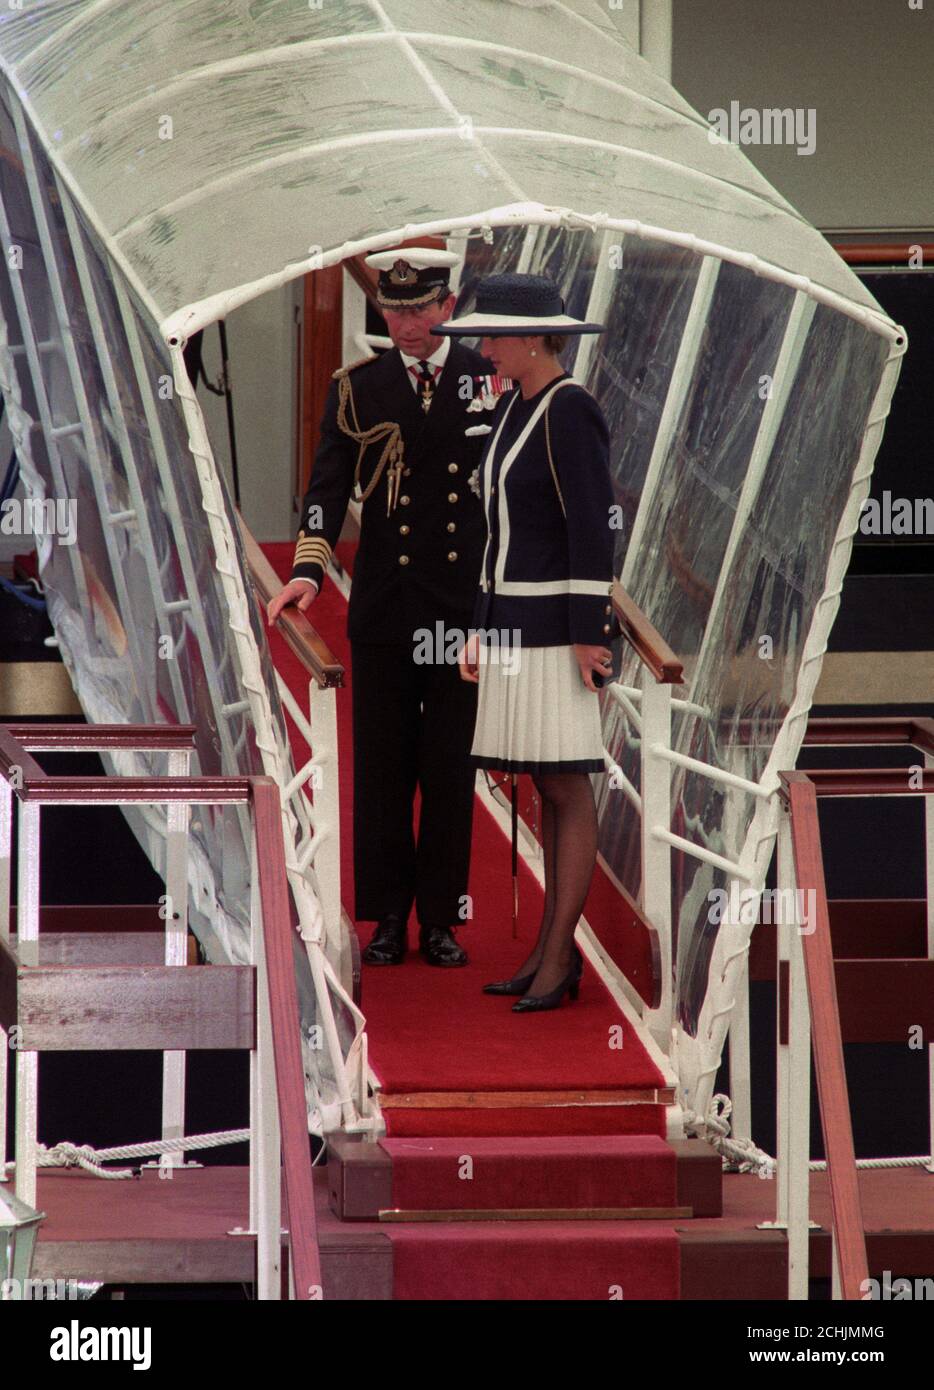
[(515, 306)]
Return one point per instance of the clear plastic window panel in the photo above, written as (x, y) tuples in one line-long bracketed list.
[(131, 660)]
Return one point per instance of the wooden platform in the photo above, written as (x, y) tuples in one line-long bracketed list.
[(153, 1231), (150, 1230)]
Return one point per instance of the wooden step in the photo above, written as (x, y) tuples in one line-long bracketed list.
[(860, 928), (108, 992), (360, 1179), (187, 1231), (96, 917), (149, 1231)]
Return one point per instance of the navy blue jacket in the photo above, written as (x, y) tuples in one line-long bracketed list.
[(548, 564), (418, 564)]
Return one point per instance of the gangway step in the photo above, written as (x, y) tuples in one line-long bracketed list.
[(606, 1177), (119, 997), (860, 929)]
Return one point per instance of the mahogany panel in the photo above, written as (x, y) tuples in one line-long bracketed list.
[(130, 1008)]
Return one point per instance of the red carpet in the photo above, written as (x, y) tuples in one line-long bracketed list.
[(476, 1042), (541, 1260), (434, 1030), (528, 1120), (430, 1174)]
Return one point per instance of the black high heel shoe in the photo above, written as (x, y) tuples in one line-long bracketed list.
[(570, 985), (518, 986)]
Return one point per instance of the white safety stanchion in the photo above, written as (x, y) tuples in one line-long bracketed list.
[(656, 851)]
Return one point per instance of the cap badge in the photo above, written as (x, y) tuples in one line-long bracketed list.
[(403, 274)]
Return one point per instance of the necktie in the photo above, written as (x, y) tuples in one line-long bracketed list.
[(426, 385)]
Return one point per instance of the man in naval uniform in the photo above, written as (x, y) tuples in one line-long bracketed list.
[(393, 435)]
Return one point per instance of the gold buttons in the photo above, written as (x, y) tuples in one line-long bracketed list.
[(404, 501), (403, 559), (609, 608), (452, 525), (452, 496), (606, 627), (452, 554), (404, 530), (452, 467), (406, 472)]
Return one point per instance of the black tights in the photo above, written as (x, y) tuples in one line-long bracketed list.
[(569, 838)]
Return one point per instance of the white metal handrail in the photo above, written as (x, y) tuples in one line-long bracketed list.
[(278, 1113)]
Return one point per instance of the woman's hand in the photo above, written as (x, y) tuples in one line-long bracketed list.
[(593, 659), (468, 659), (297, 591)]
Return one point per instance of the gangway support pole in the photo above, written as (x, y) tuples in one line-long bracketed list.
[(929, 896), (265, 1170), (178, 816), (27, 949), (656, 852), (740, 1072)]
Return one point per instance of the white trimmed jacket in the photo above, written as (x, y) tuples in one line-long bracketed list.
[(548, 563)]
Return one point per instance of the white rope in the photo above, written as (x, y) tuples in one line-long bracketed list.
[(749, 1158), (819, 1165), (67, 1155), (716, 1130)]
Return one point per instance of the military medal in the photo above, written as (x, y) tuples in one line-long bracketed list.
[(487, 391), (425, 382)]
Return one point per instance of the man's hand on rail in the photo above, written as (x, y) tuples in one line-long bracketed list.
[(297, 591)]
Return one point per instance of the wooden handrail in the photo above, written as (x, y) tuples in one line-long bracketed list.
[(849, 1231), (83, 738), (310, 648), (128, 791), (881, 252), (846, 729), (645, 640), (287, 1050), (871, 781), (15, 759)]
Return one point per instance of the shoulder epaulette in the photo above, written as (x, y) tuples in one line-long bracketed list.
[(352, 366)]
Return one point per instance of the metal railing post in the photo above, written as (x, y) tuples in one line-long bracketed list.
[(6, 852), (265, 1174), (740, 1071), (178, 818), (322, 717), (929, 895), (27, 944), (785, 879), (799, 1119), (656, 852), (793, 1075)]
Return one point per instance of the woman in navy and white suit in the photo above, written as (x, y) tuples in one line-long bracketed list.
[(543, 610)]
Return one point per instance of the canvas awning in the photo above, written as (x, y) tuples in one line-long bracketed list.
[(220, 146)]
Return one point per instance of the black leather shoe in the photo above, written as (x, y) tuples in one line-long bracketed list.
[(519, 985), (388, 944), (438, 946), (570, 985)]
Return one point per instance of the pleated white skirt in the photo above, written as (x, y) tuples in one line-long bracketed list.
[(535, 714)]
